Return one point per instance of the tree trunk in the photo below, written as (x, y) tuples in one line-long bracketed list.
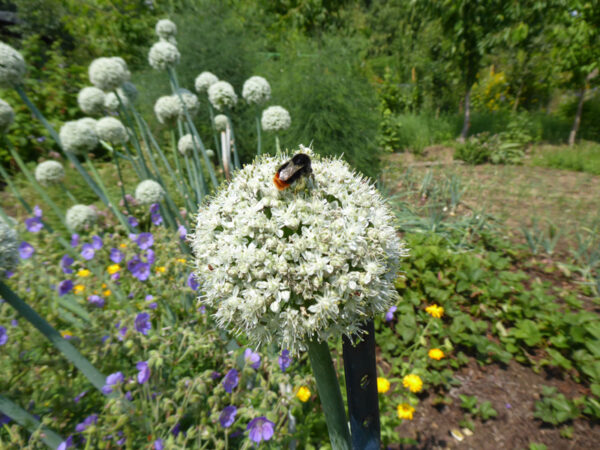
[(518, 96), (467, 122), (575, 128)]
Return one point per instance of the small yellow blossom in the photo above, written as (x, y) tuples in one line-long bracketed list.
[(103, 285), (436, 353), (413, 382), (113, 268), (83, 273), (303, 394), (123, 245), (107, 292), (161, 269), (435, 311), (66, 334), (181, 260), (405, 411), (78, 289), (383, 385)]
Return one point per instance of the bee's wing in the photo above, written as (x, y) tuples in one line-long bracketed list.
[(288, 171)]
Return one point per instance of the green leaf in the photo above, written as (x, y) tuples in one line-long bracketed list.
[(528, 331)]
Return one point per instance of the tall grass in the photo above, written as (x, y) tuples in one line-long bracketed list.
[(583, 157)]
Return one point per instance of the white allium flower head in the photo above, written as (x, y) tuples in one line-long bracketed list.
[(111, 130), (221, 122), (162, 55), (7, 116), (204, 81), (91, 100), (49, 172), (129, 91), (79, 136), (12, 66), (80, 217), (210, 153), (111, 102), (9, 248), (165, 29), (186, 144), (310, 262), (221, 95), (148, 192), (275, 118), (191, 103), (108, 74), (256, 90), (167, 108)]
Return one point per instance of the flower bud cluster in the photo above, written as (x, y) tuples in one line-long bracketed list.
[(80, 217), (49, 172)]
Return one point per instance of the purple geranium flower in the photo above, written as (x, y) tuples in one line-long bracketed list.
[(156, 219), (389, 316), (182, 232), (141, 271), (116, 255), (34, 224), (3, 335), (65, 264), (154, 208), (64, 445), (159, 444), (96, 300), (89, 420), (97, 242), (145, 240), (231, 380), (227, 416), (144, 372), (142, 323), (132, 221), (261, 429), (284, 360), (26, 250), (64, 287), (37, 211), (149, 256), (79, 396), (252, 358), (88, 251), (112, 380), (122, 333), (74, 240), (191, 282)]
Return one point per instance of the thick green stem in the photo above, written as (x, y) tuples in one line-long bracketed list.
[(330, 395), (259, 147), (67, 192), (215, 135)]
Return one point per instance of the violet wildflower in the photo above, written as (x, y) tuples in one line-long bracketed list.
[(89, 420), (191, 282), (252, 358), (37, 211), (284, 360), (122, 441), (215, 375), (144, 372), (88, 251), (389, 315), (64, 287), (141, 271), (145, 240), (149, 256), (132, 221), (14, 323), (182, 232), (97, 242), (154, 208), (227, 416), (116, 255), (4, 420), (231, 380), (261, 429), (26, 250), (96, 300), (34, 224), (65, 264), (111, 381), (3, 335), (64, 445), (156, 219), (74, 240), (78, 397), (159, 444), (122, 333), (142, 323)]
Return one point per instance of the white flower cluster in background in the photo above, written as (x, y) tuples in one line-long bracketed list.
[(191, 102), (12, 66), (310, 262), (7, 116), (166, 30), (108, 74), (162, 55), (111, 130), (91, 100), (204, 81), (222, 95), (186, 145), (80, 217), (167, 108), (79, 136), (9, 247), (148, 192), (256, 90), (221, 122), (127, 92), (275, 118), (49, 172)]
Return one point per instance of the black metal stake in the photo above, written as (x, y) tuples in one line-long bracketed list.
[(361, 387)]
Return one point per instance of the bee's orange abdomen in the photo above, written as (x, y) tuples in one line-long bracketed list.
[(280, 184)]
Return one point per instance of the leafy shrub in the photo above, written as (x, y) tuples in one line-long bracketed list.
[(583, 157), (503, 148)]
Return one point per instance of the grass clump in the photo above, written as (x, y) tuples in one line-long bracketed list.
[(583, 157)]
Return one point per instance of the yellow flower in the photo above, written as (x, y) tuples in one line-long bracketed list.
[(436, 353), (181, 260), (161, 269), (435, 311), (405, 411), (383, 385), (107, 292), (413, 382), (66, 334), (303, 394), (103, 285), (83, 273), (113, 268), (123, 245), (78, 289)]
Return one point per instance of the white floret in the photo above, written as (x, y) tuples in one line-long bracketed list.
[(12, 66), (165, 29), (79, 136), (222, 95), (256, 90), (148, 192), (162, 55), (275, 118), (108, 74), (49, 172), (111, 130), (80, 217), (91, 100)]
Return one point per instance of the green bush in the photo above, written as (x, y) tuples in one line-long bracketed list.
[(583, 157)]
